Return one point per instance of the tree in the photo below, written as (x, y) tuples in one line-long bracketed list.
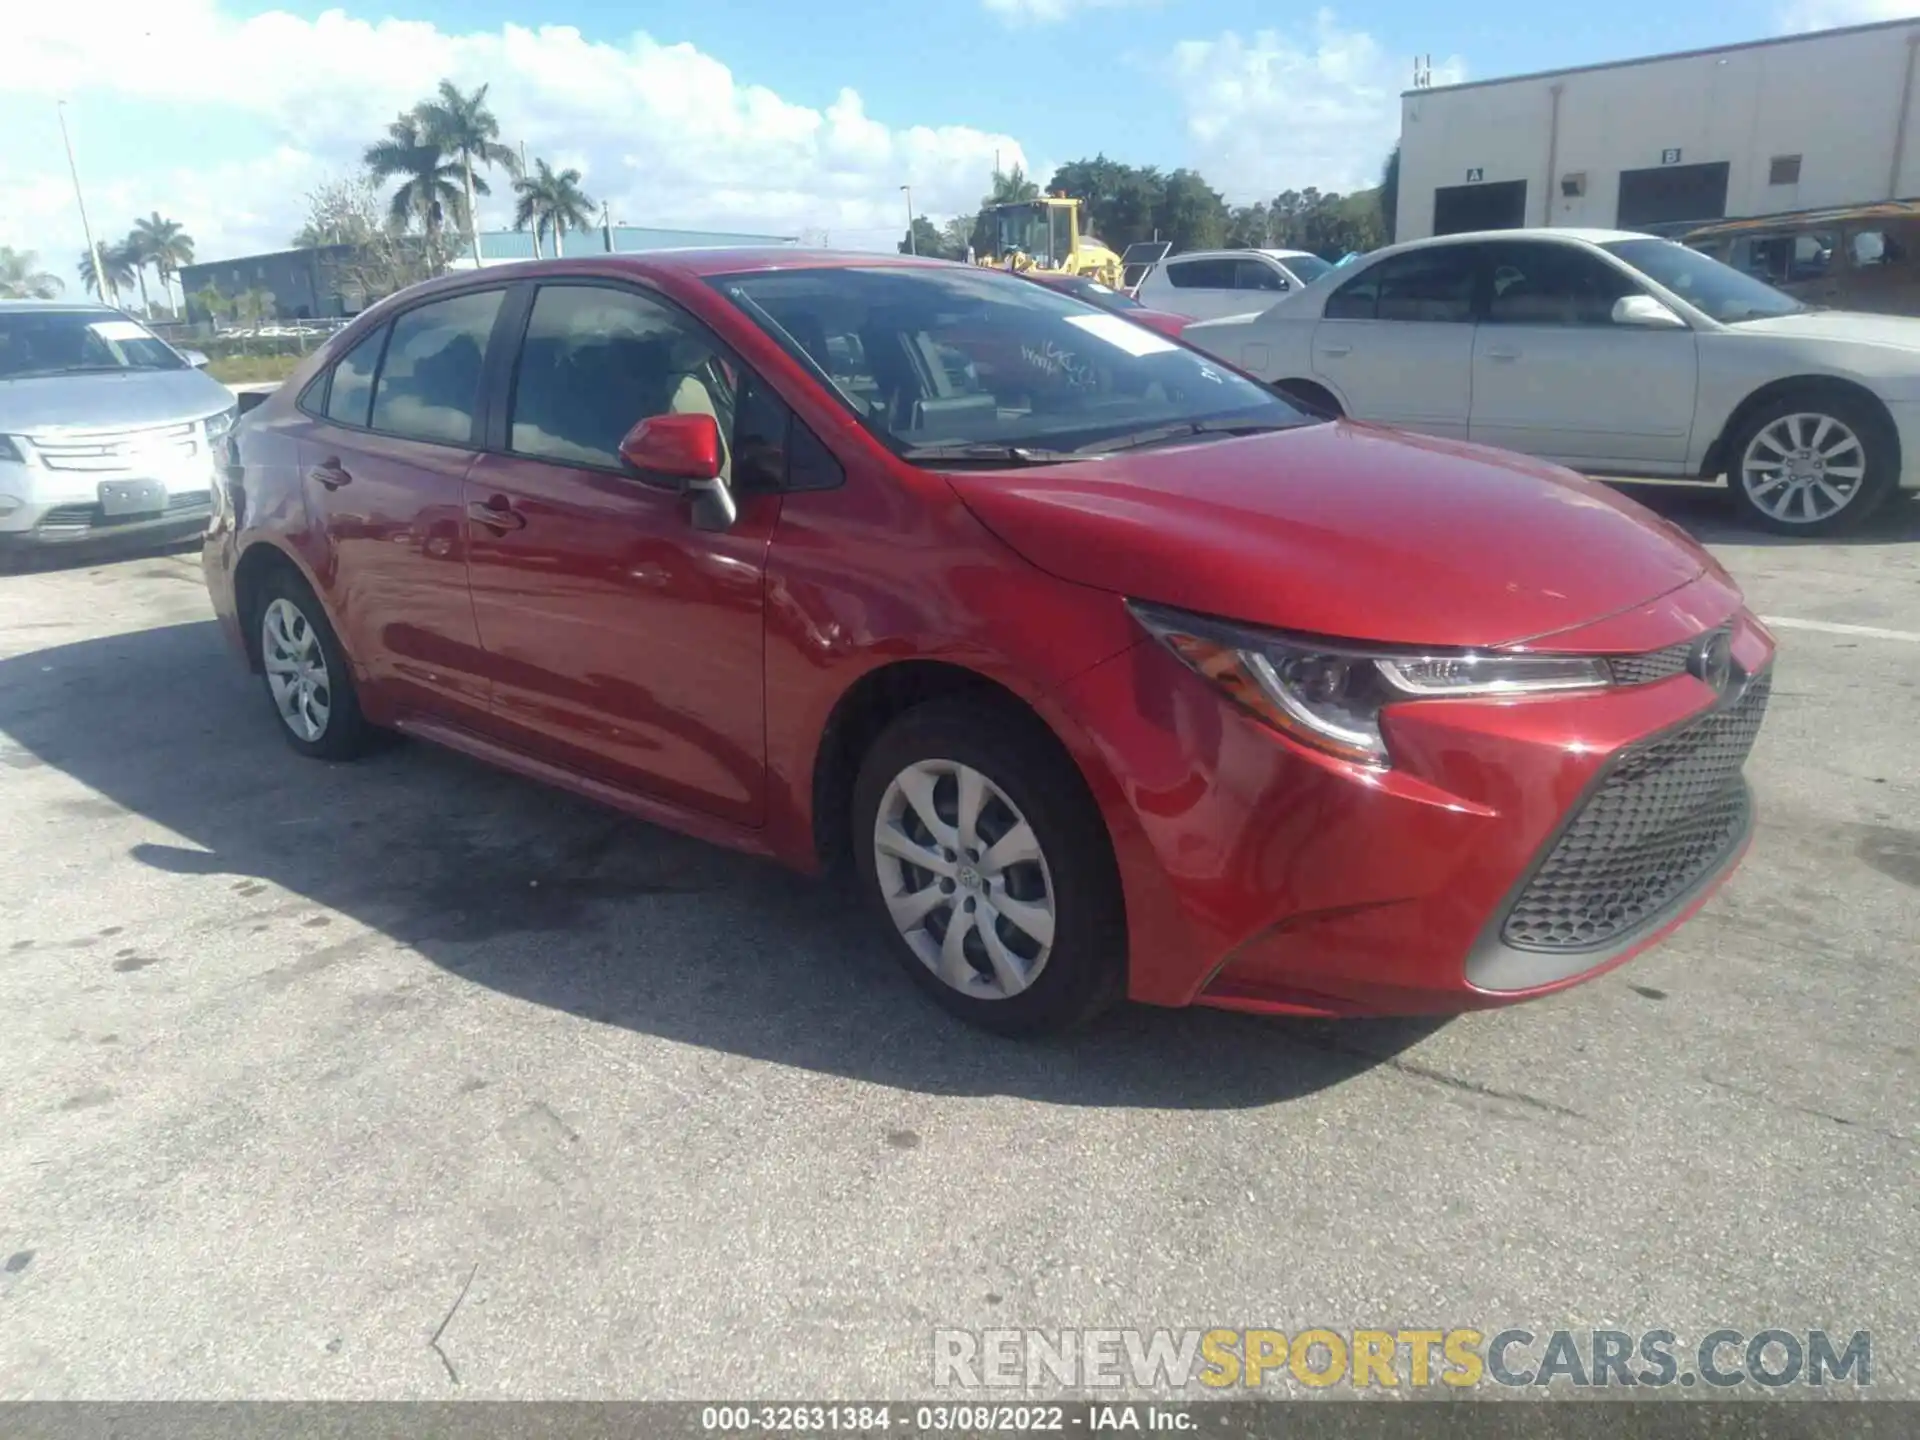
[(429, 190), (1119, 203), (251, 306), (1194, 214), (955, 236), (22, 279), (1390, 194), (381, 257), (113, 264), (212, 299), (925, 239), (464, 127), (346, 210), (551, 201), (165, 245)]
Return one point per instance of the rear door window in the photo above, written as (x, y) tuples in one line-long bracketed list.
[(429, 385), (352, 388), (1428, 285), (1200, 274)]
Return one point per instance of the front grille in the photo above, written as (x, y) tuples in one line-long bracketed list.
[(1661, 820), (1656, 664), (81, 519), (114, 451)]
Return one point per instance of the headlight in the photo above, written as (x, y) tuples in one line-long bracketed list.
[(1330, 697), (10, 451), (219, 425)]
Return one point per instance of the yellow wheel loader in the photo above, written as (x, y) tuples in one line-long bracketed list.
[(1045, 234)]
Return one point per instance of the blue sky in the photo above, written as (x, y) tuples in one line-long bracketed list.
[(762, 114)]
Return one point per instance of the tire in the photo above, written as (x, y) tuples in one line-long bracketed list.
[(1068, 976), (291, 627), (1856, 443)]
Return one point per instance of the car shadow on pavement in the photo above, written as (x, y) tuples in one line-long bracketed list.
[(553, 900), (1706, 512)]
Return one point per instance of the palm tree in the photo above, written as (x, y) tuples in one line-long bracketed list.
[(113, 264), (132, 252), (552, 202), (463, 126), (22, 279), (166, 246), (429, 190)]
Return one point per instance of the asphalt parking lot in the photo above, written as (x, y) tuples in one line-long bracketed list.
[(294, 1052)]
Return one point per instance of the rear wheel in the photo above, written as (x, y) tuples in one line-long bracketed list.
[(981, 850), (308, 677), (1813, 463)]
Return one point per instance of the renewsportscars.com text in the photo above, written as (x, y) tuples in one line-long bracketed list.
[(1409, 1358)]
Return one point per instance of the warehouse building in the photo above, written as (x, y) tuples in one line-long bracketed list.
[(1828, 118)]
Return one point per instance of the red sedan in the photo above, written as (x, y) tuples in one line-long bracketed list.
[(1108, 298), (1112, 672)]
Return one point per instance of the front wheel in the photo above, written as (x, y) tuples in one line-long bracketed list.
[(1813, 463), (984, 855)]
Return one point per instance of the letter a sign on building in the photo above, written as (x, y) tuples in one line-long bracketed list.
[(1474, 177)]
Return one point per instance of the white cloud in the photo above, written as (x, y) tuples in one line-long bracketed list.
[(1826, 14), (664, 132), (1050, 12), (1279, 112)]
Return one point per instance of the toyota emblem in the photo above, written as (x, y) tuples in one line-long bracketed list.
[(1712, 660)]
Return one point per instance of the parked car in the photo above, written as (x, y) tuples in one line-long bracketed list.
[(1613, 353), (106, 431), (1206, 284), (1107, 298), (1112, 671), (1859, 257)]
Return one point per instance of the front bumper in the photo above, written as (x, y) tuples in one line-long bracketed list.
[(1475, 872), (41, 507)]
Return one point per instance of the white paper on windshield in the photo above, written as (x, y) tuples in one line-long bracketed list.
[(117, 330), (1122, 334)]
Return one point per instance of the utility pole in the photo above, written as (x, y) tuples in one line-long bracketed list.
[(912, 247), (606, 224), (99, 270)]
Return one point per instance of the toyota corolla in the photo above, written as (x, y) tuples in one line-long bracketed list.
[(1110, 671)]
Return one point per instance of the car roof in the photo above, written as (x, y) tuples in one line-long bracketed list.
[(1269, 252), (83, 307), (1590, 235)]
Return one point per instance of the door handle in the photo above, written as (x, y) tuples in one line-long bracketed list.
[(329, 474), (496, 514), (1336, 350), (1502, 353)]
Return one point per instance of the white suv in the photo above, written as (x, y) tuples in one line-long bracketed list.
[(105, 429), (1206, 284)]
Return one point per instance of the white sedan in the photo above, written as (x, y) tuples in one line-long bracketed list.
[(1612, 353)]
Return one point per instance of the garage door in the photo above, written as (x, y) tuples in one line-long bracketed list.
[(1670, 194), (1501, 205)]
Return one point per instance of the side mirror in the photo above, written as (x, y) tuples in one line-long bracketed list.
[(682, 452), (196, 358), (1645, 313)]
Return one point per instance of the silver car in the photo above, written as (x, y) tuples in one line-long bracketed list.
[(105, 429)]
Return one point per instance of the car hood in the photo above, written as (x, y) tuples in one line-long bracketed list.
[(127, 400), (1343, 530), (1900, 332)]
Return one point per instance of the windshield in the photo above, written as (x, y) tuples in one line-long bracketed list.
[(60, 342), (967, 357), (1033, 229), (1306, 268), (1703, 282)]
